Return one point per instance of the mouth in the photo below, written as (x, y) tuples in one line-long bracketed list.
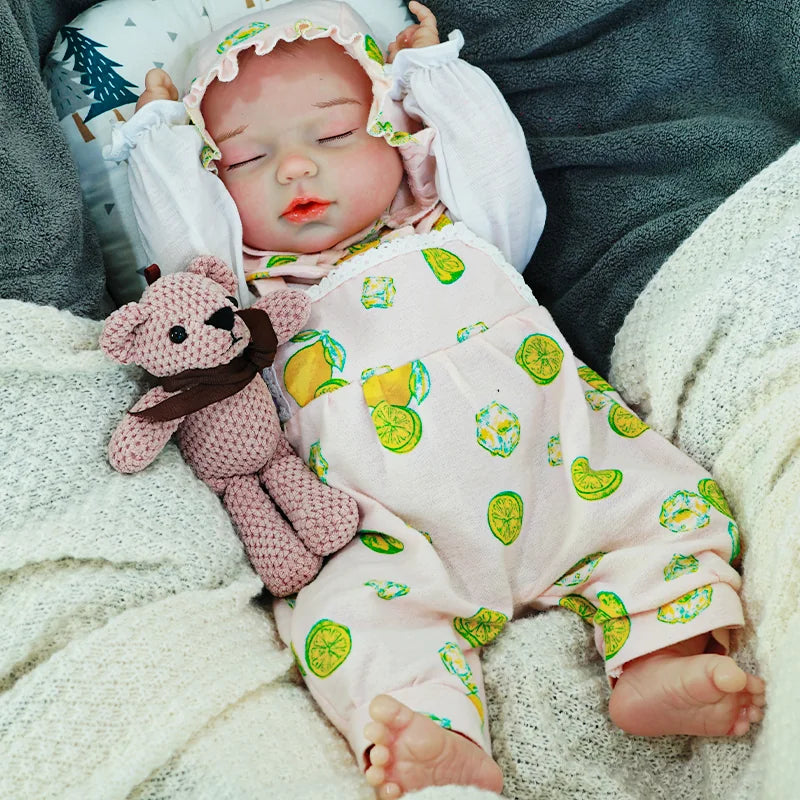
[(234, 339), (305, 209)]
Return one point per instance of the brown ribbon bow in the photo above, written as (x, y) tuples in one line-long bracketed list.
[(198, 388)]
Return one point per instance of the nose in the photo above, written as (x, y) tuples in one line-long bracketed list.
[(222, 318), (295, 166)]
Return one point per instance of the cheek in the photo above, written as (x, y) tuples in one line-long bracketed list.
[(374, 175), (250, 202)]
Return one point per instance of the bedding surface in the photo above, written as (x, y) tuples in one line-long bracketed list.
[(641, 117)]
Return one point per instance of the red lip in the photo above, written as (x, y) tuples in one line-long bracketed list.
[(305, 209)]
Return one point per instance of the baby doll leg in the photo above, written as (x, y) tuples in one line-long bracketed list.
[(373, 637)]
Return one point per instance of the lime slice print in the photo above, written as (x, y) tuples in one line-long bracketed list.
[(240, 34), (504, 514), (373, 51), (401, 137), (399, 428), (736, 542), (446, 266), (593, 484), (388, 590), (594, 380), (280, 259), (580, 605), (330, 386), (442, 222), (711, 493), (680, 565), (686, 607), (476, 701), (541, 357), (327, 646), (297, 661), (480, 628), (625, 423), (580, 573), (613, 616), (381, 542)]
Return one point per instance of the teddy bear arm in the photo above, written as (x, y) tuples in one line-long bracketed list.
[(137, 441)]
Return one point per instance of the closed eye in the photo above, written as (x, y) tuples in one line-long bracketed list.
[(337, 138), (242, 163)]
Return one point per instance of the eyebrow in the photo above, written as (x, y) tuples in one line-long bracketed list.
[(337, 101), (231, 134)]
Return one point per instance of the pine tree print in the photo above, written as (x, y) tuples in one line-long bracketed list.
[(66, 93), (107, 87)]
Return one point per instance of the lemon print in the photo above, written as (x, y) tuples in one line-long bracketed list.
[(327, 646), (580, 573), (280, 259), (446, 266), (317, 462), (399, 428), (240, 34), (427, 536), (541, 357), (505, 516), (358, 248), (476, 701), (736, 543), (616, 623), (482, 627), (330, 386), (373, 51), (401, 137), (594, 380), (297, 661), (442, 222), (554, 456), (455, 663), (680, 565), (580, 605), (313, 365), (208, 154), (686, 607), (711, 493), (625, 423), (388, 590), (593, 484), (381, 542), (398, 386)]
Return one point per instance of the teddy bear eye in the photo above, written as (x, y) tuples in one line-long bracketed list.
[(177, 334), (233, 300)]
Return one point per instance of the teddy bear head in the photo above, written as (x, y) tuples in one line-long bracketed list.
[(187, 320)]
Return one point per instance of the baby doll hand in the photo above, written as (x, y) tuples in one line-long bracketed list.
[(157, 86), (422, 34)]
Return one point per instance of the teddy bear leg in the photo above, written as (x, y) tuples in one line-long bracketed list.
[(325, 518), (276, 553)]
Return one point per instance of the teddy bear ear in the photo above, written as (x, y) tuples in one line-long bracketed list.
[(215, 269), (117, 338), (288, 311)]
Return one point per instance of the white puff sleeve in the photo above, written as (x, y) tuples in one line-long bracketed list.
[(182, 210), (483, 170)]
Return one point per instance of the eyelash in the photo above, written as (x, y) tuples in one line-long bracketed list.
[(320, 141)]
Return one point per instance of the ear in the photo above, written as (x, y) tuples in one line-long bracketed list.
[(117, 338), (288, 310), (215, 269)]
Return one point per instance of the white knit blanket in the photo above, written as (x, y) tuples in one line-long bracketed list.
[(137, 662)]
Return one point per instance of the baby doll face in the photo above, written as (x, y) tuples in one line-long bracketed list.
[(296, 157)]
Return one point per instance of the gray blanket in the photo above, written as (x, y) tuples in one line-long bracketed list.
[(641, 116), (49, 253)]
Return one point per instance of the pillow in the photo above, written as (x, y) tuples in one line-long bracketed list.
[(95, 73)]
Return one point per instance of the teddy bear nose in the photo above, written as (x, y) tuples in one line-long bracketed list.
[(222, 318)]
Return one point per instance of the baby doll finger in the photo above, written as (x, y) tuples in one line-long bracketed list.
[(423, 14)]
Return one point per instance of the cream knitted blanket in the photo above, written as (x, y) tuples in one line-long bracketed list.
[(137, 661), (711, 351)]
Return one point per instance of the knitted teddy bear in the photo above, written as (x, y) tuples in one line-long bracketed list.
[(207, 358)]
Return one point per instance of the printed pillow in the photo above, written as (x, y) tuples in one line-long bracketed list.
[(95, 73)]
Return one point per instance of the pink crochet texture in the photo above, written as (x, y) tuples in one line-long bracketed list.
[(286, 517)]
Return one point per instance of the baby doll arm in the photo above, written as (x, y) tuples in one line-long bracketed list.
[(180, 208), (137, 441), (484, 173)]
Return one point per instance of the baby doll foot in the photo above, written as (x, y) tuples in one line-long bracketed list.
[(701, 695), (410, 752)]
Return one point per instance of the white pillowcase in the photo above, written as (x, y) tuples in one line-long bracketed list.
[(96, 71)]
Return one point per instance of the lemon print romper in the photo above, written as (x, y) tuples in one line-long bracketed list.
[(493, 471)]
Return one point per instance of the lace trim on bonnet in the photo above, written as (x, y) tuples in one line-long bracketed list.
[(216, 58)]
